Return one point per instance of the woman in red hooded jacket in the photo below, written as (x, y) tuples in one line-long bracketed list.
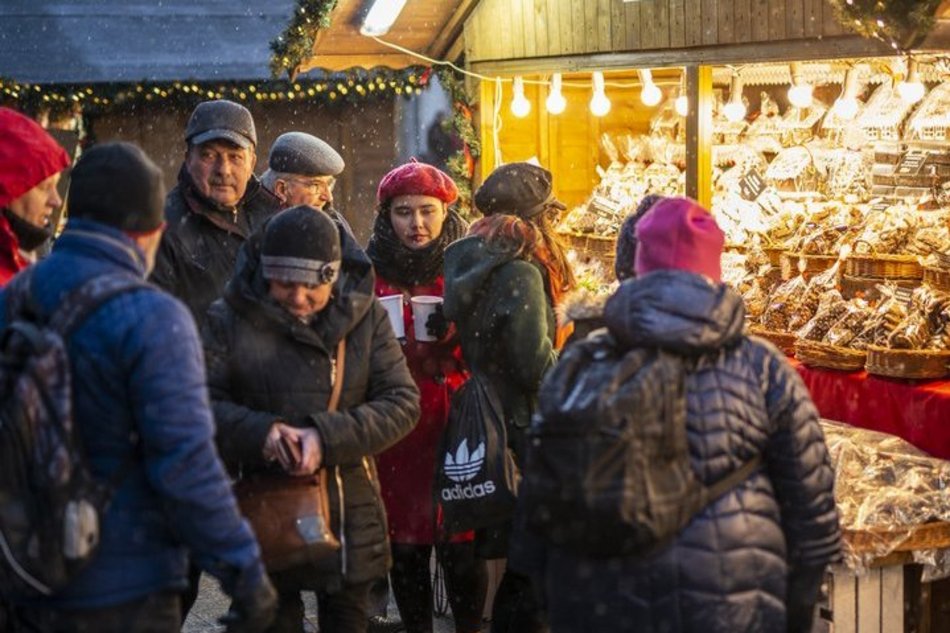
[(414, 224), (31, 162)]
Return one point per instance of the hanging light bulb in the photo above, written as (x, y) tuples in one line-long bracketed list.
[(599, 103), (555, 103), (800, 94), (520, 106), (681, 105), (911, 90), (650, 93), (735, 110), (846, 107)]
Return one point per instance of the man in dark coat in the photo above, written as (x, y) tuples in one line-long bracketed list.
[(216, 205), (300, 289), (753, 559), (141, 404)]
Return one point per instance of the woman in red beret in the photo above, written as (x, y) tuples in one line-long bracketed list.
[(414, 224)]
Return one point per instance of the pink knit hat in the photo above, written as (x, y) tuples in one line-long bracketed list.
[(678, 233)]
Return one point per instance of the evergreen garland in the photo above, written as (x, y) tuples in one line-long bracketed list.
[(461, 165), (295, 44), (900, 24)]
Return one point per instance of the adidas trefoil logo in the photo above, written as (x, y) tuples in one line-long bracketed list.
[(463, 466)]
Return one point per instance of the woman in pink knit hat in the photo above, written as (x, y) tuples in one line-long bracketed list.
[(414, 224), (752, 559)]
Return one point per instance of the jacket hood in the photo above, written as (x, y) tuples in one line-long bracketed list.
[(581, 305), (247, 293), (469, 263), (676, 311), (28, 155)]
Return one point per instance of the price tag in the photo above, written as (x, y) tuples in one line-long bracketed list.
[(911, 163), (751, 185)]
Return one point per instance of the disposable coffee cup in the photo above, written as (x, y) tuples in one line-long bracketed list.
[(422, 308), (393, 305)]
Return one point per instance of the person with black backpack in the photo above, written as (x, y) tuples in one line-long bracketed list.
[(676, 471), (108, 469)]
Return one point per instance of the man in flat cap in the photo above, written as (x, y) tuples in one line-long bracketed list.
[(216, 205), (302, 169)]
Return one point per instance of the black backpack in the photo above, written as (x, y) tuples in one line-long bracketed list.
[(50, 505), (607, 469)]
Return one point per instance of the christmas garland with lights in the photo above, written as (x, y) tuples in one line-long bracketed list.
[(461, 165), (901, 24), (295, 44), (335, 88)]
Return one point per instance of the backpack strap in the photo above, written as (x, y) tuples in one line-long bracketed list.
[(84, 300), (733, 479)]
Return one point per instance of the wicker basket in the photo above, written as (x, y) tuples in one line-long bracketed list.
[(867, 287), (782, 340), (908, 363), (829, 356), (938, 278), (883, 266), (593, 246), (914, 537), (813, 264)]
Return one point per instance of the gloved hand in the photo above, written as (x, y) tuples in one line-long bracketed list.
[(436, 324), (253, 603)]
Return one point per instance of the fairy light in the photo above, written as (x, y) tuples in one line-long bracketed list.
[(735, 110), (847, 105), (911, 89), (650, 94), (520, 106), (801, 93), (555, 103), (681, 105), (599, 103)]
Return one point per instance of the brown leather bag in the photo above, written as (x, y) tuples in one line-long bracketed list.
[(291, 515)]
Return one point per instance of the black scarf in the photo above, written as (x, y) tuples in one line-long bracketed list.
[(407, 267), (29, 236)]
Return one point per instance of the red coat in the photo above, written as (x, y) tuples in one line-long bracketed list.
[(407, 469), (11, 262)]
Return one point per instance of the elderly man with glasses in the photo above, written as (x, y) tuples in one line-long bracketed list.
[(302, 170)]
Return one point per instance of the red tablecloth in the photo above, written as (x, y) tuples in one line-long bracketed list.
[(916, 410)]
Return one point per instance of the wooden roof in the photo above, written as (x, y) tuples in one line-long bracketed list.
[(430, 27)]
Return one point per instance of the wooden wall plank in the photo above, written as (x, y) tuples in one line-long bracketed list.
[(869, 602), (517, 29), (618, 29), (554, 27), (795, 19), (578, 27), (760, 20), (472, 45), (892, 598), (632, 11), (648, 24), (604, 26), (694, 22), (727, 30), (830, 22), (677, 23), (542, 39), (662, 23), (500, 31), (564, 19), (710, 22), (527, 19), (812, 17), (743, 21), (777, 19), (844, 600)]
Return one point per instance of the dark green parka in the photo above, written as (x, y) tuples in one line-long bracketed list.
[(264, 365)]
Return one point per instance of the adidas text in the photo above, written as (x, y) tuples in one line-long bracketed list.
[(469, 491)]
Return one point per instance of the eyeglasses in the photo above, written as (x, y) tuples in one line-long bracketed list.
[(316, 185)]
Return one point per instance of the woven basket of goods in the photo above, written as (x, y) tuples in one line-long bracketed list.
[(915, 364), (785, 341), (924, 536), (829, 356), (938, 278), (794, 263), (592, 246), (883, 266), (869, 287)]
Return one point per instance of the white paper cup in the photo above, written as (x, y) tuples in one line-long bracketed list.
[(422, 307), (393, 305)]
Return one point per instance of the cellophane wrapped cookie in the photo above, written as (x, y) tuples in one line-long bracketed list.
[(827, 315), (851, 323), (783, 303)]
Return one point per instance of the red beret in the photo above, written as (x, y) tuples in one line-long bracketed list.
[(417, 179), (28, 155)]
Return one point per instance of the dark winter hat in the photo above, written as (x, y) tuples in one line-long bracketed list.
[(301, 245), (118, 185), (627, 238), (28, 155), (221, 119), (520, 189), (679, 233), (304, 154), (417, 179)]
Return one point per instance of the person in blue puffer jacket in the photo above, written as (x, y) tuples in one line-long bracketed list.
[(139, 388), (753, 559)]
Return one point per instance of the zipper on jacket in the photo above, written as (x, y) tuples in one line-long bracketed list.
[(339, 487)]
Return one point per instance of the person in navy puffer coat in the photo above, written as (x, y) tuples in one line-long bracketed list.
[(751, 561), (139, 388)]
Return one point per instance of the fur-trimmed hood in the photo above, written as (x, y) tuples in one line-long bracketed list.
[(581, 305)]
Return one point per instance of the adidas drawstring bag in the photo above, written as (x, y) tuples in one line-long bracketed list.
[(476, 477)]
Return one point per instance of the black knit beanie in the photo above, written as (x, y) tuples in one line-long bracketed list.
[(301, 245), (627, 238), (118, 185)]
